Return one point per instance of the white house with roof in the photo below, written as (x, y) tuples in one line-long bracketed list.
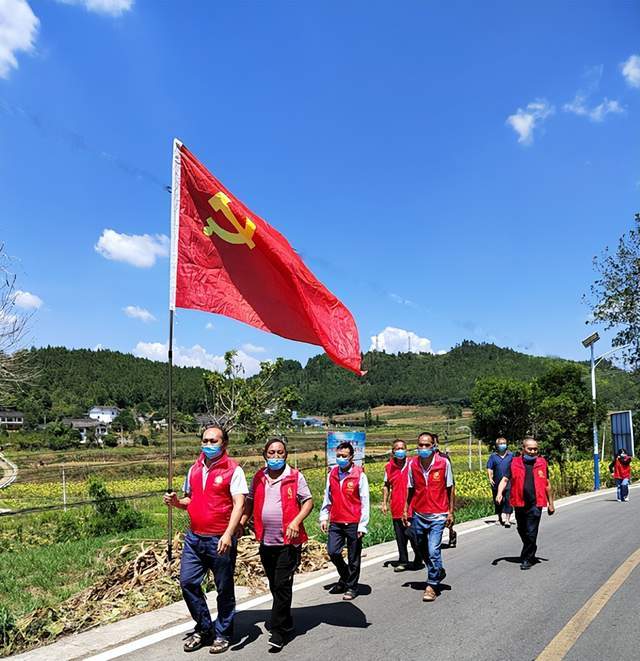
[(106, 414)]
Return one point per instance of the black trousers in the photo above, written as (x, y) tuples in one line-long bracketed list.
[(280, 564), (505, 506), (404, 535), (339, 535), (528, 520)]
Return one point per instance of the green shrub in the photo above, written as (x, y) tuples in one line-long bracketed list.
[(7, 626)]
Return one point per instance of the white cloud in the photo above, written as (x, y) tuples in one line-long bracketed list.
[(139, 250), (631, 70), (402, 301), (136, 312), (18, 30), (26, 300), (109, 7), (195, 356), (597, 113), (209, 326), (99, 347), (526, 120), (252, 348), (397, 340)]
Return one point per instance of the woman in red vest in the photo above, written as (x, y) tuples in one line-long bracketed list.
[(530, 493), (394, 497), (620, 468), (280, 501), (214, 490), (344, 515)]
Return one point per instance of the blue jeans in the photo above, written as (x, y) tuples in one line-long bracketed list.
[(199, 555), (623, 488), (428, 534)]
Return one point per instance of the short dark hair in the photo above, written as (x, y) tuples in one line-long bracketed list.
[(225, 433), (345, 445), (431, 435), (271, 441), (398, 440)]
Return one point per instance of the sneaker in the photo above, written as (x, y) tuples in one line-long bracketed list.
[(525, 565), (338, 588), (276, 642), (442, 575), (350, 595), (399, 568), (416, 564), (429, 594)]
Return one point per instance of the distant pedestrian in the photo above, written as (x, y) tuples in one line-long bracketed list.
[(394, 497), (453, 535), (214, 494), (345, 516), (497, 466), (279, 500), (620, 468), (530, 493), (431, 494)]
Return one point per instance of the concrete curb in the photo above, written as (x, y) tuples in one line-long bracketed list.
[(101, 640)]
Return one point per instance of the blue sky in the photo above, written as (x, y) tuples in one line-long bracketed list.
[(445, 169)]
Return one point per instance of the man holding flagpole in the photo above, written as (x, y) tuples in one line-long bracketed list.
[(214, 494)]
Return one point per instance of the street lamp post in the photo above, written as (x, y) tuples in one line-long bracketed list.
[(588, 342)]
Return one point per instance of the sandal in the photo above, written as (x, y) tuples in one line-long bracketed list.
[(197, 640), (219, 646)]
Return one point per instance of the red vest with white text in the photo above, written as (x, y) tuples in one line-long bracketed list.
[(346, 506), (430, 497), (620, 471), (397, 477), (210, 508), (290, 504), (539, 481)]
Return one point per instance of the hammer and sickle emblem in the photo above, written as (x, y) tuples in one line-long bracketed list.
[(243, 234)]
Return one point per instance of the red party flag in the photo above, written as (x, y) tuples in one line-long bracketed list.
[(226, 259)]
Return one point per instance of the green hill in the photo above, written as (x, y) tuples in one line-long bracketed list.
[(69, 381)]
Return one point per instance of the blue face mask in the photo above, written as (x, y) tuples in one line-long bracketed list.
[(502, 447), (343, 462), (212, 451), (425, 453), (399, 454), (276, 464), (529, 459)]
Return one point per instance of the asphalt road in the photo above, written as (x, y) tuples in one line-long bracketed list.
[(489, 609)]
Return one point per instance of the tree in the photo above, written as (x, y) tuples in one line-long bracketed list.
[(452, 411), (15, 368), (615, 295), (501, 407), (563, 413), (253, 406), (125, 422)]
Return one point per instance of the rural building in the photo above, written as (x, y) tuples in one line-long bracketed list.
[(88, 427), (11, 420), (106, 414)]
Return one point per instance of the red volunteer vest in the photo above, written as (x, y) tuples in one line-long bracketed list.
[(210, 508), (345, 497), (290, 504), (430, 497), (398, 481), (620, 471), (539, 481)]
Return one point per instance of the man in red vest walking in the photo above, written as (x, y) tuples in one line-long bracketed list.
[(394, 497), (280, 501), (214, 494), (530, 493), (345, 515), (431, 493)]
